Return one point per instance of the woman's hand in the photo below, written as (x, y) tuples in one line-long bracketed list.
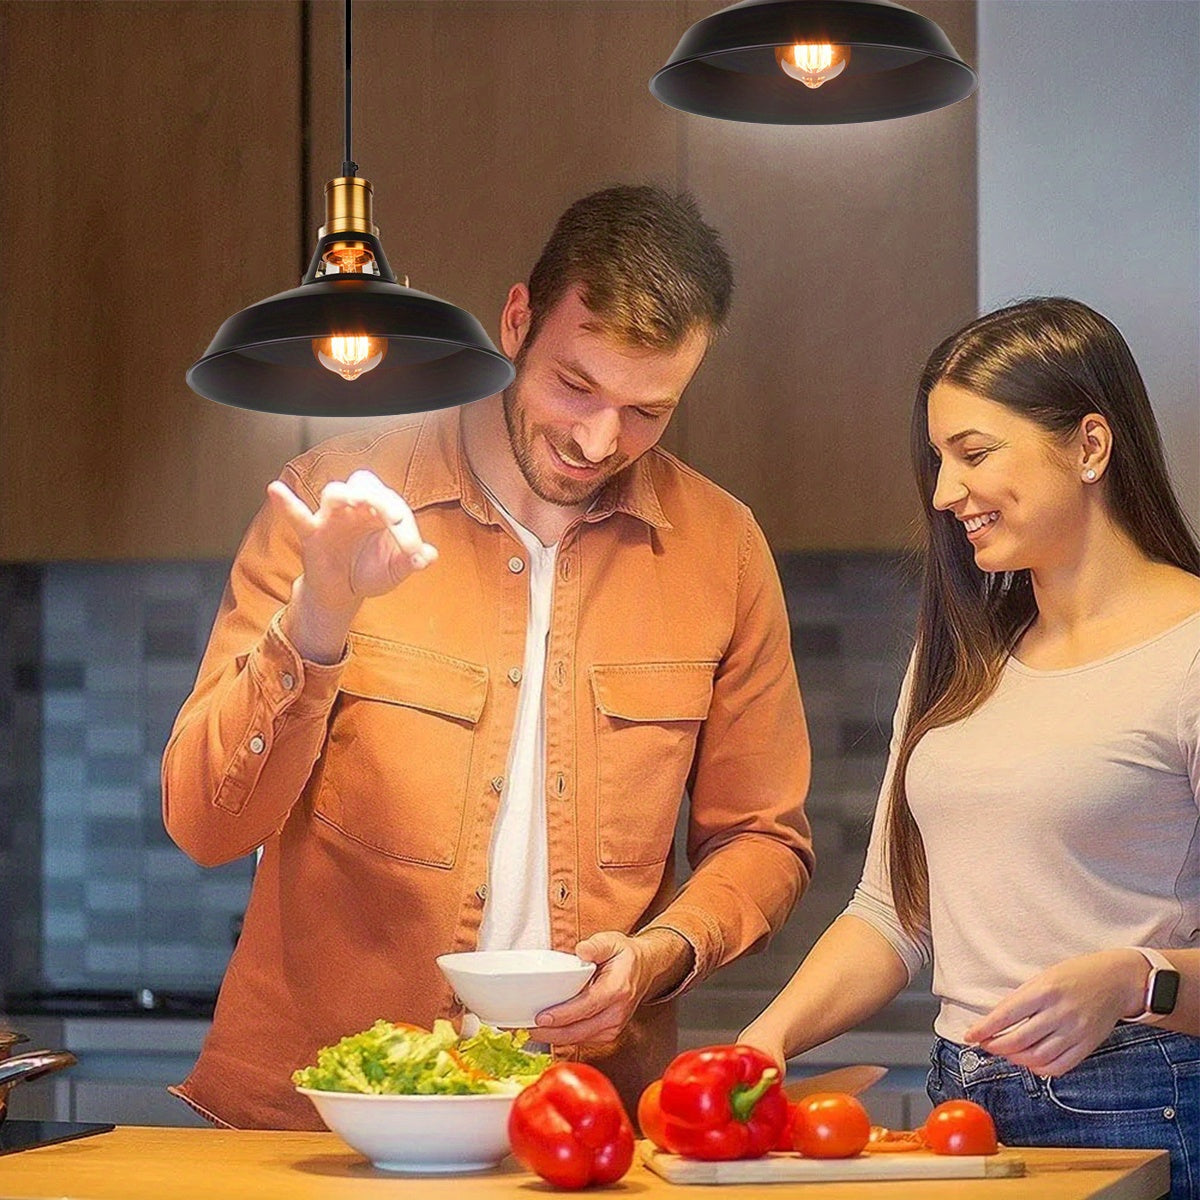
[(1055, 1020), (763, 1038)]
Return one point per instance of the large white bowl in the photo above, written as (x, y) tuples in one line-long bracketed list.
[(423, 1134), (508, 988)]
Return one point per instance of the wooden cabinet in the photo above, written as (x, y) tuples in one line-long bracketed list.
[(162, 166), (149, 185), (855, 252)]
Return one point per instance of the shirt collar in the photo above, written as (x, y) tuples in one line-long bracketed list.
[(439, 473)]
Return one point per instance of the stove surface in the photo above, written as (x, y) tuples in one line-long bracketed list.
[(77, 1002), (25, 1135)]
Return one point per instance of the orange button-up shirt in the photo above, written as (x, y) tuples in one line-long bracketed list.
[(372, 784)]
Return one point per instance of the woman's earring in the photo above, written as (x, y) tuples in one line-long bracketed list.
[(1089, 474)]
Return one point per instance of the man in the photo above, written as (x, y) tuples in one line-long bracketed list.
[(465, 669)]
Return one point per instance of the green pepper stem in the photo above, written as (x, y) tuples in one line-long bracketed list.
[(743, 1099)]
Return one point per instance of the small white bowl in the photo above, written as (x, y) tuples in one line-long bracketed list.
[(508, 988), (426, 1135)]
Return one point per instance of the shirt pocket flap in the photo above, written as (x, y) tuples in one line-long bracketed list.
[(680, 691), (415, 677)]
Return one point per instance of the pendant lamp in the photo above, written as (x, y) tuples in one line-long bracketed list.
[(813, 62), (350, 341)]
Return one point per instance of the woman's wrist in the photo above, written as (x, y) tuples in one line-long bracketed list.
[(1134, 975)]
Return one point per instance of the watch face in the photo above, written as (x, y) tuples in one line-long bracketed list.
[(1164, 992)]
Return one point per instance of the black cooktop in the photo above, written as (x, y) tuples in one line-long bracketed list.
[(84, 1002), (25, 1135)]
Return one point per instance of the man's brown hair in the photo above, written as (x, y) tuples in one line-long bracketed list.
[(646, 263)]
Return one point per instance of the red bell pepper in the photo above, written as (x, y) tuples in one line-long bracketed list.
[(722, 1102), (571, 1128)]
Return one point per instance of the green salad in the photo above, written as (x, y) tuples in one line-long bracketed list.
[(402, 1060)]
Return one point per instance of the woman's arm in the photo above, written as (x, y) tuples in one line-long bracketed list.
[(848, 976)]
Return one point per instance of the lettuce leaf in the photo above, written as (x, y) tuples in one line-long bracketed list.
[(390, 1059)]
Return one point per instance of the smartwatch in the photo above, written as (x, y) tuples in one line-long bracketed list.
[(1162, 988)]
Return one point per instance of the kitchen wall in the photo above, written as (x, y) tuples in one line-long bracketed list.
[(113, 650), (1089, 182)]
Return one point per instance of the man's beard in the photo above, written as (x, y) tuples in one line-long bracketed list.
[(546, 485)]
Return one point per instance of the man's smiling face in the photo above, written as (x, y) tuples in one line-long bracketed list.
[(584, 404)]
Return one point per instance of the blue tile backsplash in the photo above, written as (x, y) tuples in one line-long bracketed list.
[(97, 658)]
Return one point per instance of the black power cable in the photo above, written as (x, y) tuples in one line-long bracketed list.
[(349, 166)]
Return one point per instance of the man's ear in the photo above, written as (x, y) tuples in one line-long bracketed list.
[(515, 319)]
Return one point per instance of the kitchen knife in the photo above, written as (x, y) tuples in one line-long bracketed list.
[(851, 1080)]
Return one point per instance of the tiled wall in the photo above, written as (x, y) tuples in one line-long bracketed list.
[(122, 905), (119, 647)]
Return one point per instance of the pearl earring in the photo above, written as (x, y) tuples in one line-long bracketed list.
[(1089, 474)]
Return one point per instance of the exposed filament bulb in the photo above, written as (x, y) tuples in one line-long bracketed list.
[(349, 356), (812, 63)]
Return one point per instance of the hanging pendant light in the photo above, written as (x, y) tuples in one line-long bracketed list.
[(813, 62), (350, 341)]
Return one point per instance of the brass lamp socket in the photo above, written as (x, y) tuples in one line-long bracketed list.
[(348, 207)]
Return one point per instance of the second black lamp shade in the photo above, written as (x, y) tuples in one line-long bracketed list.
[(813, 62)]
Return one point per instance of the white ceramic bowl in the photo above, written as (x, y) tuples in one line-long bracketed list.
[(508, 988), (421, 1134)]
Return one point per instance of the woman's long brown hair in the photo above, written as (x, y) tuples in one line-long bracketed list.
[(1052, 361)]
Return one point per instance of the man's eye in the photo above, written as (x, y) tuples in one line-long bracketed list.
[(574, 387), (648, 413)]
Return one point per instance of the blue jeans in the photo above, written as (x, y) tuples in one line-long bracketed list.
[(1139, 1089)]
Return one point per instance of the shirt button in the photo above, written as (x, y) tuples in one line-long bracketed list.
[(498, 784), (515, 674), (288, 680), (516, 564), (481, 891), (257, 744)]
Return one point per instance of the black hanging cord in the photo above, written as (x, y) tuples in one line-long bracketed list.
[(349, 166)]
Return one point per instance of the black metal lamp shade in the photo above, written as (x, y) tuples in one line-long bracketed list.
[(437, 355), (901, 63)]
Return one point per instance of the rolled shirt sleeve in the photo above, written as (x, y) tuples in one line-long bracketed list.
[(749, 840)]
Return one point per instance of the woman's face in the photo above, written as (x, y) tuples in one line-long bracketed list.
[(1017, 494)]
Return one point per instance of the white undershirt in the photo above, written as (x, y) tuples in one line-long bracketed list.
[(516, 915)]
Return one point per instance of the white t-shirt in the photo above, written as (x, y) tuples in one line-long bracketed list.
[(516, 915), (1060, 818)]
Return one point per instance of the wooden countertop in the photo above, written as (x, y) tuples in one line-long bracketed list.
[(143, 1163)]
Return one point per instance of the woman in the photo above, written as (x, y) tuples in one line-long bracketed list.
[(1039, 821)]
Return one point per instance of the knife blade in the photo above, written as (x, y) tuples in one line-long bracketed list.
[(851, 1080)]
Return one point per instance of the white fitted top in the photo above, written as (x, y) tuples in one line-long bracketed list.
[(516, 915), (1060, 818)]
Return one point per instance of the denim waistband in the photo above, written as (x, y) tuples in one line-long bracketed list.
[(971, 1064)]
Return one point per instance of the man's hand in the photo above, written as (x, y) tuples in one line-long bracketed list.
[(362, 541), (629, 969), (1053, 1021)]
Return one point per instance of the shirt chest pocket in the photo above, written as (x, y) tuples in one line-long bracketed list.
[(398, 756), (648, 716)]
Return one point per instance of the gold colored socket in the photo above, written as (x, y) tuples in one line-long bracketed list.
[(348, 207)]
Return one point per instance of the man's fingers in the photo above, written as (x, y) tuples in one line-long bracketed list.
[(392, 507), (598, 1031), (291, 507)]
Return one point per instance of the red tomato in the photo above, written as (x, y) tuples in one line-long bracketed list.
[(649, 1114), (830, 1125), (893, 1141), (960, 1127)]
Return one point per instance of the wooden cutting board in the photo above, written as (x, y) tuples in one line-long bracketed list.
[(792, 1168)]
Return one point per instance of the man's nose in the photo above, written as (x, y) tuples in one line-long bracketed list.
[(948, 490), (597, 436)]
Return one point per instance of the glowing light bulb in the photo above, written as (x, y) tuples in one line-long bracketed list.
[(351, 356), (812, 63)]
